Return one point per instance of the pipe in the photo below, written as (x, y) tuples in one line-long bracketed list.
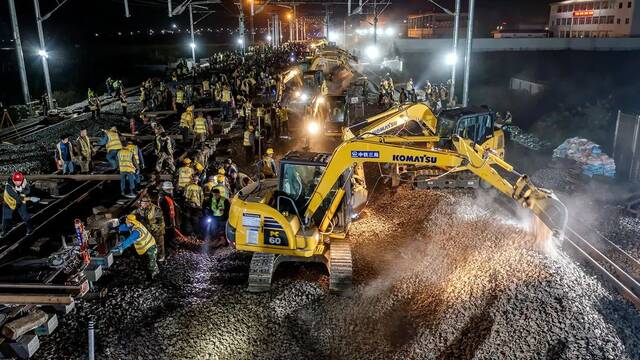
[(126, 9), (92, 354)]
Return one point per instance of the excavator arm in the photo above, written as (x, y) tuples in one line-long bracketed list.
[(395, 119), (392, 150)]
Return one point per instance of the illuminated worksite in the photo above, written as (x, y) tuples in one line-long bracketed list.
[(354, 179)]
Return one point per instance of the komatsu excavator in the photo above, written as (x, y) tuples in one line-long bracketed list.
[(304, 215)]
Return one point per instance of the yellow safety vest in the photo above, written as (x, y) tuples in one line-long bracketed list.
[(134, 151), (217, 206), (247, 138), (179, 96), (226, 95), (9, 200), (125, 161), (143, 95), (145, 241), (85, 146), (186, 120), (185, 174), (200, 125), (193, 194), (205, 85), (266, 166), (113, 142)]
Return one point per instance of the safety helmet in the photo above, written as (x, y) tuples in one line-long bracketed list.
[(221, 171), (269, 151), (220, 178), (131, 218), (199, 167), (190, 108), (113, 128), (250, 128), (186, 161), (17, 177), (167, 185)]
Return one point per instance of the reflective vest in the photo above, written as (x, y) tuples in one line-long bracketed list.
[(125, 161), (179, 96), (186, 120), (134, 150), (226, 95), (85, 146), (267, 170), (113, 142), (222, 189), (205, 85), (9, 200), (185, 174), (217, 206), (200, 125), (247, 138), (193, 194), (143, 95), (145, 241)]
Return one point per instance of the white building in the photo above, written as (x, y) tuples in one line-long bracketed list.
[(587, 18)]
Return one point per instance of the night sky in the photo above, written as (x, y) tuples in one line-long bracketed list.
[(79, 20)]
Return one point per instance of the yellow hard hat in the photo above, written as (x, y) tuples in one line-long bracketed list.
[(186, 161), (221, 171), (269, 151), (199, 167), (190, 108), (220, 178), (131, 218), (250, 128)]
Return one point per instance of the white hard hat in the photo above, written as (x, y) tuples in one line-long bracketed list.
[(167, 185)]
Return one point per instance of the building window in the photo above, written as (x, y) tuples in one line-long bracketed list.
[(620, 6), (626, 21), (610, 19), (581, 21), (605, 5), (629, 4), (589, 6), (561, 34), (618, 21), (603, 20), (596, 5), (563, 21), (588, 21)]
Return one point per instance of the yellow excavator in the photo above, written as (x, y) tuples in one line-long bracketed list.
[(305, 214)]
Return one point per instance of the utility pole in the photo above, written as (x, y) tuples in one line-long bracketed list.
[(193, 40), (253, 32), (467, 59), (43, 53), (241, 25), (19, 53), (375, 22), (295, 18), (170, 9), (280, 37), (456, 31), (126, 9), (326, 21)]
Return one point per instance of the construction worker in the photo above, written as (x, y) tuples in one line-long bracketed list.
[(247, 142), (111, 140), (179, 101), (267, 165), (231, 174), (144, 99), (220, 214), (411, 90), (151, 215), (128, 169), (15, 199), (109, 85), (124, 104), (193, 197), (142, 240), (164, 152), (200, 128), (64, 155), (283, 119), (185, 174), (169, 214), (139, 159), (226, 101), (324, 89), (268, 124), (94, 105), (186, 123), (206, 89), (85, 151)]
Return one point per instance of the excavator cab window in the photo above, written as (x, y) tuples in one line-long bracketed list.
[(476, 127), (298, 182)]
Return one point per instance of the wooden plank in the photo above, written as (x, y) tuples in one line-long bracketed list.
[(21, 326), (24, 299)]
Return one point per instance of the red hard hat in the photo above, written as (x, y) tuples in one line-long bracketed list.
[(17, 177)]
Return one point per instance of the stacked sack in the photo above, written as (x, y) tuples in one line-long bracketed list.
[(588, 154)]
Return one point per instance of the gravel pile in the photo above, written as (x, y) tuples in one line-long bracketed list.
[(437, 277), (622, 229)]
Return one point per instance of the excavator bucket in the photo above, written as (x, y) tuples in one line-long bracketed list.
[(551, 214)]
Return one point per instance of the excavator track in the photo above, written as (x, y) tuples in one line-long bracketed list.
[(261, 270), (340, 267)]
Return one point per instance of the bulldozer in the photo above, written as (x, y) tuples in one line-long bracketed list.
[(305, 214)]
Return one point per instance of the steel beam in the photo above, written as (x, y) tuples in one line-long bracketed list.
[(19, 53), (35, 299)]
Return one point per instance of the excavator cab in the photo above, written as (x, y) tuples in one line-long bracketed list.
[(477, 124)]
